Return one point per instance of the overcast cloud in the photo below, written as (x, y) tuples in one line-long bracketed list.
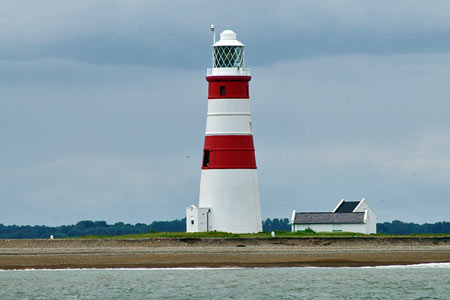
[(103, 106)]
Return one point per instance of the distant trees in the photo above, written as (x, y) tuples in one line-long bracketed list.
[(83, 228), (276, 225), (399, 227)]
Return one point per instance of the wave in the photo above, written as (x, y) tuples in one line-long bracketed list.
[(415, 266), (126, 269), (412, 266)]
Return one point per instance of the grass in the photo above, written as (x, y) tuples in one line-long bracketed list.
[(212, 234), (284, 234)]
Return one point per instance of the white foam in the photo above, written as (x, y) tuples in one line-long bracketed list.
[(414, 266), (125, 269)]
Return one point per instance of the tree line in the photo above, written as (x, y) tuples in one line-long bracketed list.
[(399, 227), (84, 228)]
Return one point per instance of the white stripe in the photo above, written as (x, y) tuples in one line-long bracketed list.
[(229, 106), (229, 114), (228, 117)]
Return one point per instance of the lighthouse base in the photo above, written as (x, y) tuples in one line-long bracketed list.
[(232, 198)]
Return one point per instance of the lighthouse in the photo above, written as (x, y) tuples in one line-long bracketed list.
[(229, 193)]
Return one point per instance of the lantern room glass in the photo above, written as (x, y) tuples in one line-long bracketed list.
[(228, 57)]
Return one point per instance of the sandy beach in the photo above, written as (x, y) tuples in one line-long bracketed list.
[(218, 252)]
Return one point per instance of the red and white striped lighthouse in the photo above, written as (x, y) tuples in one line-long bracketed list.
[(229, 194)]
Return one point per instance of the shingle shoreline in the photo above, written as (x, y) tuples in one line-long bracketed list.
[(222, 252)]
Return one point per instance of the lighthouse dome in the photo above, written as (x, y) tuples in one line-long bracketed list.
[(228, 35), (228, 38)]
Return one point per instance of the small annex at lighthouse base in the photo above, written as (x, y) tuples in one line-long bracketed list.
[(197, 219)]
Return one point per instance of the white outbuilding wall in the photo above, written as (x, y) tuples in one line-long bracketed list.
[(370, 218), (361, 228), (197, 219)]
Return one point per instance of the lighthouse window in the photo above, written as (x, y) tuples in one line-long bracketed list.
[(206, 158), (222, 90), (228, 56)]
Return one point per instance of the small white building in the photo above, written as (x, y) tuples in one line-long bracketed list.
[(349, 216), (197, 219)]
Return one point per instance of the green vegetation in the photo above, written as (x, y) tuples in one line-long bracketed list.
[(309, 230), (218, 234), (177, 228), (279, 234), (212, 234), (399, 227), (276, 225), (83, 228)]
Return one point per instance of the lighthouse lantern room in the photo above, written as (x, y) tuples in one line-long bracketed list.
[(229, 193)]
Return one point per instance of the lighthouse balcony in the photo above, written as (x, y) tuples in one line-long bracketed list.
[(228, 72)]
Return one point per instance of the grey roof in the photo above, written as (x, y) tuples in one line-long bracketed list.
[(329, 218), (347, 207)]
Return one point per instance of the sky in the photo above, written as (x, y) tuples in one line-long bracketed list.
[(103, 106)]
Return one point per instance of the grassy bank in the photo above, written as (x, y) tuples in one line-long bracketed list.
[(284, 234)]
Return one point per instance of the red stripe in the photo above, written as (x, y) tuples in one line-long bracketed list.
[(228, 87), (229, 152)]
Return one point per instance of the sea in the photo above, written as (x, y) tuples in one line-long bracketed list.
[(426, 281)]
